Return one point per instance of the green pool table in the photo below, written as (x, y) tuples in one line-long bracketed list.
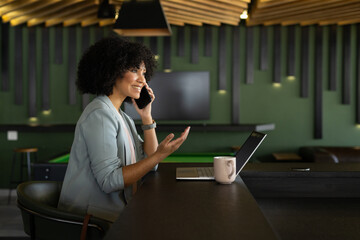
[(55, 168), (178, 157)]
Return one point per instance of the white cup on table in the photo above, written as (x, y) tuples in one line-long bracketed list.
[(224, 169)]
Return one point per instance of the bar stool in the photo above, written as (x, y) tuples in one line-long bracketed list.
[(25, 161)]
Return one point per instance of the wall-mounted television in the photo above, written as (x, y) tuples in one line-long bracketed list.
[(179, 96)]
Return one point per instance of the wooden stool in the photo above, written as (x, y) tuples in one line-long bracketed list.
[(25, 161)]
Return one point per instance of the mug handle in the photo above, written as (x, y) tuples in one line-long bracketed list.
[(231, 164)]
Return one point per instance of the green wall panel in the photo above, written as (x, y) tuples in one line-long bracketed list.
[(260, 102)]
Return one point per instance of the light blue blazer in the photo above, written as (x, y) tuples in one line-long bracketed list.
[(94, 182)]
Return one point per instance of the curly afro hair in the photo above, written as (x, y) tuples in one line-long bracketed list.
[(109, 59)]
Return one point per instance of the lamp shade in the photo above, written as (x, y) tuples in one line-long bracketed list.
[(142, 18)]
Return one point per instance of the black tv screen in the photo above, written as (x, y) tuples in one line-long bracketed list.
[(179, 96)]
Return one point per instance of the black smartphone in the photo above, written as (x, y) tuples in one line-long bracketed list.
[(144, 98)]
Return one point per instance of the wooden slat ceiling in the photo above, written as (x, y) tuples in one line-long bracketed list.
[(84, 12), (191, 12), (304, 12)]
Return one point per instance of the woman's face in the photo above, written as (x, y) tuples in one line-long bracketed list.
[(131, 83)]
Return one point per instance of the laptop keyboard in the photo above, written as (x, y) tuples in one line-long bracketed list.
[(205, 171)]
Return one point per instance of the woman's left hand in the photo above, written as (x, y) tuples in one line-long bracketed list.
[(145, 112)]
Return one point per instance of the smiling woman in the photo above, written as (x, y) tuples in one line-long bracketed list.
[(108, 157), (131, 83)]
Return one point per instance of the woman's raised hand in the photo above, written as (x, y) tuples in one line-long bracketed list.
[(170, 145)]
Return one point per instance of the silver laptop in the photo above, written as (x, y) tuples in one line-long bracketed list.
[(242, 157)]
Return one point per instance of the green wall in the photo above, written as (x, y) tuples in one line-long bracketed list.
[(260, 102)]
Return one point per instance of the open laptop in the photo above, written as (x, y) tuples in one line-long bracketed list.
[(242, 157)]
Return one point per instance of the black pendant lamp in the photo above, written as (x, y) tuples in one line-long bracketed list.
[(142, 18)]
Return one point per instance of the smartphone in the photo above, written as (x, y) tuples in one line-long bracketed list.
[(144, 98)]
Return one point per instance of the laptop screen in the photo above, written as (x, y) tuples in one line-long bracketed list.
[(248, 149)]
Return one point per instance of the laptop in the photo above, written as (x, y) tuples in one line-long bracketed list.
[(242, 157)]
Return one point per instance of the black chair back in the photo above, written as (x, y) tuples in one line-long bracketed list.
[(38, 202)]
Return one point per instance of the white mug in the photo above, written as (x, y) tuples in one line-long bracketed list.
[(224, 169)]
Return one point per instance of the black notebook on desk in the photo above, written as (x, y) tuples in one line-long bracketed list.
[(242, 157)]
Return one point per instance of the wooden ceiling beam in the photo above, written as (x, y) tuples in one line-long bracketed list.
[(240, 4), (51, 12), (187, 19), (296, 9), (70, 13), (176, 22), (182, 22), (221, 6), (341, 20), (173, 5), (31, 13), (355, 19), (272, 3), (93, 19), (106, 22), (307, 19), (34, 9), (206, 7), (15, 5), (202, 18), (4, 2), (89, 21), (90, 13)]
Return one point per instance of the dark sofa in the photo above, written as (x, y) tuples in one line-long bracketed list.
[(324, 154)]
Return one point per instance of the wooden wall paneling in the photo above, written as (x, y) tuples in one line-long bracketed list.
[(85, 43), (304, 90), (72, 64), (277, 54), (332, 57), (45, 69), (346, 64), (153, 45), (180, 41), (58, 44), (167, 53), (263, 48), (236, 75), (222, 58), (5, 82), (290, 51), (18, 74), (208, 41), (318, 84), (357, 105), (194, 44), (32, 72), (249, 55)]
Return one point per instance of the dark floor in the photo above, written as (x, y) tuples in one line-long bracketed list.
[(11, 226)]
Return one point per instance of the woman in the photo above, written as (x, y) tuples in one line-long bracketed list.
[(108, 157)]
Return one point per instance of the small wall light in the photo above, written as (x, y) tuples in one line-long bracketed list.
[(291, 78), (46, 112), (277, 85)]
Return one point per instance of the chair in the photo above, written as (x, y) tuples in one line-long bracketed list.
[(38, 202), (25, 161)]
